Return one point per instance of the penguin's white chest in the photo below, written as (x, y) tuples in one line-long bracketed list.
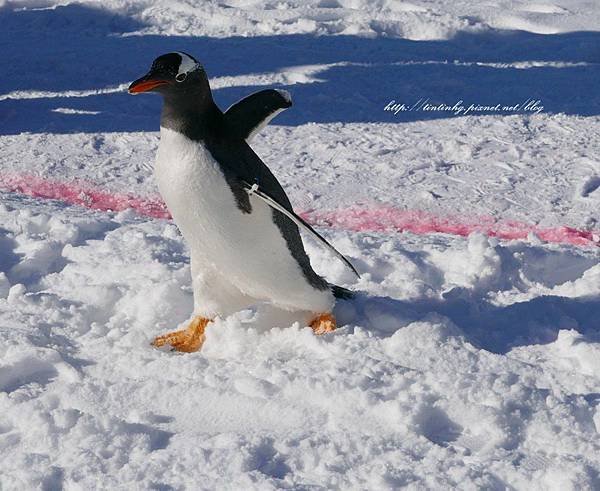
[(195, 191), (247, 248)]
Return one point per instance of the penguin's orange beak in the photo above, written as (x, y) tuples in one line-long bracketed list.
[(145, 84)]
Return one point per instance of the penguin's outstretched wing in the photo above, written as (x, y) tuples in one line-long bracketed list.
[(251, 114), (254, 189)]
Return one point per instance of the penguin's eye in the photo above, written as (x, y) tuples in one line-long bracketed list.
[(181, 77)]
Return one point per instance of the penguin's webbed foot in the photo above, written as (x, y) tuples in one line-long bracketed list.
[(186, 340), (323, 323)]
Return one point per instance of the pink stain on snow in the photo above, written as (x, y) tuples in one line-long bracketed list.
[(79, 192), (360, 219), (389, 219)]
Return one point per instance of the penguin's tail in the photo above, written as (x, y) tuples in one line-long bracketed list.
[(342, 293)]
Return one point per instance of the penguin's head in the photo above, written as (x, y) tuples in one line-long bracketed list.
[(171, 74)]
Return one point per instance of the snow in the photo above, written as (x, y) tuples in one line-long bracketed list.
[(469, 358)]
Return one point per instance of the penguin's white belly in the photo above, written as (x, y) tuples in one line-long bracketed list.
[(246, 249)]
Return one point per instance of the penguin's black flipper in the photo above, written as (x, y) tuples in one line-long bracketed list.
[(288, 212), (251, 114)]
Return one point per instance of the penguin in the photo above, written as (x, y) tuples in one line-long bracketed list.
[(240, 227)]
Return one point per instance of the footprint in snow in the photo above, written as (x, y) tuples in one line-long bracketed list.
[(589, 186)]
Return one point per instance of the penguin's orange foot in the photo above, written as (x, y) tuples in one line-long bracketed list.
[(323, 323), (187, 340)]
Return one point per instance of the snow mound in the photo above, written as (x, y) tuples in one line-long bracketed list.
[(455, 352), (417, 20)]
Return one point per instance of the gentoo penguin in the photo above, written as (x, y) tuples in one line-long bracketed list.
[(243, 236)]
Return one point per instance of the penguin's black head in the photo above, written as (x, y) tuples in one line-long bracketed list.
[(170, 74)]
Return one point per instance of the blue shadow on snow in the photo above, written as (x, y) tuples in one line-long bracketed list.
[(75, 47)]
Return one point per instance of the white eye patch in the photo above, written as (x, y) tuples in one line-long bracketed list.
[(186, 66)]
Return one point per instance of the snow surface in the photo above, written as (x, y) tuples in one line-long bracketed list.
[(464, 362)]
